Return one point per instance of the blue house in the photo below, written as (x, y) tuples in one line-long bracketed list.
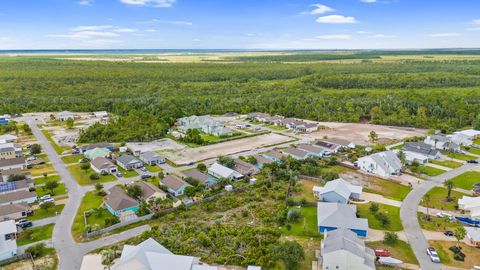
[(339, 191), (203, 178), (3, 121), (175, 185), (331, 216), (312, 150), (119, 202), (261, 160)]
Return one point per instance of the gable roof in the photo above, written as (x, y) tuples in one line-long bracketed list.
[(420, 148), (12, 161), (14, 208), (97, 145), (295, 152), (244, 167), (341, 187), (273, 154), (310, 148), (223, 171), (387, 160), (127, 159), (97, 152), (173, 182), (149, 155), (148, 189), (16, 196), (340, 215), (102, 163), (7, 227), (338, 141), (196, 174), (8, 137), (118, 199)]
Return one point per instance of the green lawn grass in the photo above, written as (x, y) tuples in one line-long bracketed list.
[(307, 224), (89, 201), (467, 180), (72, 158), (476, 141), (459, 156), (127, 174), (43, 156), (276, 127), (153, 169), (306, 192), (43, 180), (37, 234), (447, 163), (83, 177), (475, 151), (41, 214), (55, 146), (400, 250), (438, 199), (431, 171), (446, 255), (39, 170), (392, 212), (60, 190), (437, 224)]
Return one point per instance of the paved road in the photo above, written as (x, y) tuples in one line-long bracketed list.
[(408, 215), (45, 221)]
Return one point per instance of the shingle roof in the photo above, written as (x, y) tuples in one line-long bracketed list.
[(244, 167), (172, 182), (16, 196), (341, 187), (196, 174), (118, 199), (421, 148), (223, 171), (102, 163), (309, 148), (98, 145), (262, 160), (148, 189), (273, 154), (126, 159), (338, 141), (340, 215), (295, 152), (13, 161), (13, 208), (150, 156)]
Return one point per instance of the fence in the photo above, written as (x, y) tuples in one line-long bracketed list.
[(310, 178), (118, 225), (17, 258), (347, 165)]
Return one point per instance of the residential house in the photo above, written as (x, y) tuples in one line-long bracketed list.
[(65, 115), (8, 138), (8, 187), (260, 117), (14, 211), (7, 152), (442, 142), (261, 160), (420, 152), (298, 125), (472, 134), (151, 192), (16, 147), (96, 152), (312, 150), (152, 158), (327, 147), (339, 191), (5, 174), (100, 114), (295, 153), (200, 176), (245, 168), (150, 255), (462, 138), (219, 171), (13, 163), (273, 155), (470, 205), (473, 236), (384, 164), (204, 123), (92, 146), (342, 249), (332, 216), (103, 165), (129, 162), (8, 239), (342, 143), (174, 184), (19, 196), (118, 202)]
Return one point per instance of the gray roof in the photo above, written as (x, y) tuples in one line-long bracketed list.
[(421, 148), (326, 145), (473, 233), (388, 160), (341, 142), (102, 163), (7, 149), (172, 182), (310, 148), (118, 199), (127, 159), (196, 174), (16, 196), (273, 154), (245, 167), (342, 188), (14, 208), (340, 215), (13, 161), (97, 145), (439, 138), (262, 160), (295, 152), (150, 156)]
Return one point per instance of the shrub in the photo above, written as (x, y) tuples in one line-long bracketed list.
[(383, 218), (94, 176), (374, 208), (293, 215), (36, 250), (390, 238)]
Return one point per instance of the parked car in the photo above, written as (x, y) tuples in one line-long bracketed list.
[(433, 255), (45, 197), (47, 200), (449, 233), (143, 169), (75, 151), (380, 252), (145, 176), (472, 161), (28, 146), (119, 174), (443, 214), (23, 223)]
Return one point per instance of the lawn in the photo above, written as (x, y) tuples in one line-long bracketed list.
[(89, 201), (476, 141), (400, 250), (438, 199), (437, 224), (83, 177), (446, 256), (306, 225), (35, 234), (41, 214), (60, 190), (447, 163), (467, 180), (459, 156), (392, 212), (41, 169), (431, 171), (277, 127), (55, 146), (306, 191), (127, 174), (153, 169), (43, 180), (475, 151), (98, 218), (72, 158)]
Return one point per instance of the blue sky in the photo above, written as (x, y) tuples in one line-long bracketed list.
[(244, 24)]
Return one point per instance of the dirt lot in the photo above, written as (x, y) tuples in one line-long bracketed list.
[(187, 155), (358, 133)]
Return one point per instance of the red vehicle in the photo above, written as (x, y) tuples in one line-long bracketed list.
[(380, 252)]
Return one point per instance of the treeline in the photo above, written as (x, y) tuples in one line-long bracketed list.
[(301, 57), (149, 97)]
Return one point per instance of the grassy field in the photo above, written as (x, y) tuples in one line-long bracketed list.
[(276, 127), (36, 234), (459, 156), (475, 151), (89, 201), (127, 174), (438, 199), (41, 169), (437, 224), (60, 190), (309, 247), (43, 180), (72, 158), (447, 163), (306, 192), (477, 141), (153, 169), (431, 171), (446, 256), (392, 212), (401, 250), (55, 146), (307, 224), (83, 177), (41, 214), (467, 180)]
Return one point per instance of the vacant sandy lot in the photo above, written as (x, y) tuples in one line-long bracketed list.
[(188, 155), (358, 133)]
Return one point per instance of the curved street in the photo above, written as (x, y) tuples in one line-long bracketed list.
[(409, 210)]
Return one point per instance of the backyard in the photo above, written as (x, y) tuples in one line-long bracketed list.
[(447, 163), (446, 255), (306, 224), (467, 180), (438, 199), (83, 176), (306, 192), (32, 235), (392, 212), (89, 201), (72, 158), (59, 190), (400, 250)]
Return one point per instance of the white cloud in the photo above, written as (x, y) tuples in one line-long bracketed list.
[(125, 30), (361, 32), (154, 3), (152, 21), (92, 27), (319, 9), (196, 40), (440, 35), (334, 37), (336, 19), (251, 34), (151, 30), (368, 1), (181, 23), (85, 2), (476, 21), (382, 36)]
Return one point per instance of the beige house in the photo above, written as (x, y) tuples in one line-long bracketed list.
[(151, 192), (14, 211)]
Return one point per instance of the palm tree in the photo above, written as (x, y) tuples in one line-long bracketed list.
[(449, 186), (426, 199), (459, 234)]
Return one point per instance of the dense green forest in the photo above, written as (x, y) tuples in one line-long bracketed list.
[(148, 97)]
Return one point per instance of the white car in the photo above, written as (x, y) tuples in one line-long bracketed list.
[(45, 197), (433, 255), (47, 200)]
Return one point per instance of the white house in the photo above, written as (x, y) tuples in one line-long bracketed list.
[(65, 115), (471, 206), (220, 171), (342, 249), (103, 165), (470, 133), (338, 190), (384, 164), (8, 138), (420, 152), (8, 239), (461, 138), (100, 114), (442, 142), (473, 235)]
